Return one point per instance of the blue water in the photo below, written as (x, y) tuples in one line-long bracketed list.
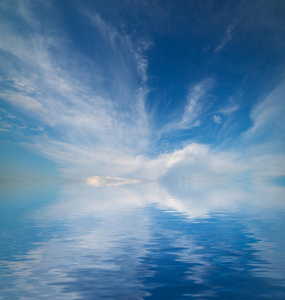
[(141, 242)]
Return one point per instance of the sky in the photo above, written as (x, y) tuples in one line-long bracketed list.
[(127, 91)]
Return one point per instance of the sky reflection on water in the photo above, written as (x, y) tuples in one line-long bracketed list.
[(142, 242)]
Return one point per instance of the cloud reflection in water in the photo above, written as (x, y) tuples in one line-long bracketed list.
[(150, 241)]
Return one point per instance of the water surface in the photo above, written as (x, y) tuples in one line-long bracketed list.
[(145, 241)]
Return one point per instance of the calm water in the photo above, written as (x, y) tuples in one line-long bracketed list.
[(144, 241)]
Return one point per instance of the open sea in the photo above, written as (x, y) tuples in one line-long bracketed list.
[(144, 241)]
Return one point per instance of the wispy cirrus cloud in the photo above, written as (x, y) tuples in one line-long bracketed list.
[(196, 105), (4, 129), (100, 101), (229, 109), (268, 115), (227, 37)]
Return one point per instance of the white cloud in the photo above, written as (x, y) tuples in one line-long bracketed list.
[(226, 39), (22, 86), (268, 115), (109, 181), (229, 109), (37, 129), (99, 102), (26, 102), (217, 119), (196, 105)]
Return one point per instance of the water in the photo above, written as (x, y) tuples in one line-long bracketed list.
[(145, 241)]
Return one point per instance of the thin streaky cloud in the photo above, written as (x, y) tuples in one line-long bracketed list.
[(226, 39), (115, 118), (268, 115), (229, 109), (196, 106)]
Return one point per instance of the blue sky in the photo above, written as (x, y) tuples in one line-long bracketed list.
[(143, 90)]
